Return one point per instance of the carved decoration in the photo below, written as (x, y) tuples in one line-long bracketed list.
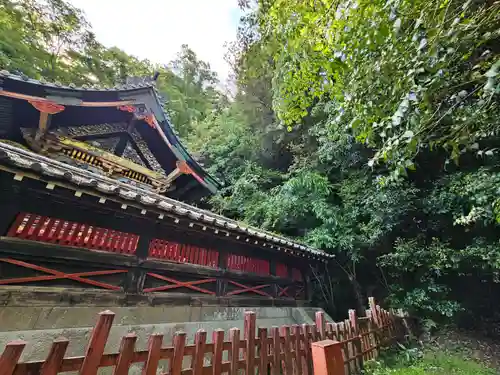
[(130, 153), (84, 130), (107, 144), (127, 108), (46, 106), (150, 120), (183, 167), (146, 152), (86, 156)]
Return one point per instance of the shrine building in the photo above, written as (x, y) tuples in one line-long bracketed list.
[(97, 193)]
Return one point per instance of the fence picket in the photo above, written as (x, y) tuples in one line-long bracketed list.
[(154, 348), (126, 354), (263, 350), (97, 342), (234, 352), (287, 351), (55, 357), (276, 365), (298, 349), (372, 328), (179, 343), (249, 335), (320, 324), (10, 356), (199, 354), (307, 350), (218, 340), (349, 347)]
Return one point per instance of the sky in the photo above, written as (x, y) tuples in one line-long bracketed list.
[(156, 29)]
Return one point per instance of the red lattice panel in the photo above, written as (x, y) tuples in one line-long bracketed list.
[(248, 264), (176, 252), (47, 229), (281, 270)]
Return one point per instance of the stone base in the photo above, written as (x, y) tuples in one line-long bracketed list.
[(39, 324)]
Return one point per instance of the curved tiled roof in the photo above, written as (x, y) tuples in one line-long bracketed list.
[(120, 87), (175, 144), (28, 160)]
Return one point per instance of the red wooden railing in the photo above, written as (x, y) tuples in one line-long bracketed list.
[(290, 350), (248, 264), (176, 252), (52, 230), (47, 229)]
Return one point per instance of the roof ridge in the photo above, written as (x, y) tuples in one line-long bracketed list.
[(42, 81)]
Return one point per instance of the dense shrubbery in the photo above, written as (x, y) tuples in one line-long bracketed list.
[(386, 135), (368, 128)]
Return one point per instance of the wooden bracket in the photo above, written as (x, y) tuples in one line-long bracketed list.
[(181, 168), (46, 108)]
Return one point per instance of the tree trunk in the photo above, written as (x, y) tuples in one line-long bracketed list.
[(358, 294)]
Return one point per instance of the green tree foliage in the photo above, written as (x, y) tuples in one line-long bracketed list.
[(191, 87), (405, 76), (384, 116)]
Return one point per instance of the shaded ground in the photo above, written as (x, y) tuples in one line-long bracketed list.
[(473, 346)]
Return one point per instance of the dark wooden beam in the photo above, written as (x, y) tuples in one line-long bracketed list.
[(122, 143), (57, 297)]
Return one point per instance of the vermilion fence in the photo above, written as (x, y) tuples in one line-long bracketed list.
[(181, 253), (289, 350), (46, 229), (248, 264), (40, 228)]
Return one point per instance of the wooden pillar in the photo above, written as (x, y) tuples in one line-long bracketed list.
[(122, 143), (9, 201), (134, 282), (221, 286), (222, 259), (142, 251), (272, 266), (308, 286), (327, 358), (8, 216)]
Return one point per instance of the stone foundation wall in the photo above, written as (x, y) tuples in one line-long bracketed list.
[(41, 323)]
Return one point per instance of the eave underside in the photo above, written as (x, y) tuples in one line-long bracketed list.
[(91, 107)]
